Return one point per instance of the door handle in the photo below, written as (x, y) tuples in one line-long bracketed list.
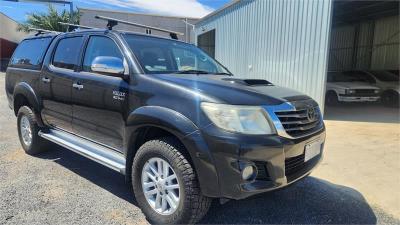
[(45, 80), (77, 86)]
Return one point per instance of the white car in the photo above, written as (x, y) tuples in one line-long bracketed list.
[(349, 87), (388, 83)]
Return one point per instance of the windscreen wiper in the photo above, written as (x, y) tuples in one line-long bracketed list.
[(223, 73), (192, 72)]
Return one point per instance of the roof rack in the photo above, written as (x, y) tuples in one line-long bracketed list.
[(111, 22), (42, 31), (72, 27)]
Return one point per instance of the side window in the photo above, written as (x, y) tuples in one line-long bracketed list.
[(67, 53), (100, 46), (30, 53)]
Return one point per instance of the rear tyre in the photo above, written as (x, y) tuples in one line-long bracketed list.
[(165, 184), (331, 98), (28, 130)]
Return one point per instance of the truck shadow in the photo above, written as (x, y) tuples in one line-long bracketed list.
[(310, 201)]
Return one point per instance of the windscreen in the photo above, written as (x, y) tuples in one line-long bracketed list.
[(158, 56)]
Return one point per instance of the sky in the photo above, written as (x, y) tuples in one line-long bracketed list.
[(189, 8)]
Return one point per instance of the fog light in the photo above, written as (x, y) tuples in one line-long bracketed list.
[(248, 173)]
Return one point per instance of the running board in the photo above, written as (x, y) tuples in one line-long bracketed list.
[(88, 149)]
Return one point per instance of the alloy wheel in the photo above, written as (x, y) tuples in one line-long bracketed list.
[(160, 186), (26, 131)]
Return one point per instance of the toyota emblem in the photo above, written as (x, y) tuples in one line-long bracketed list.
[(311, 114)]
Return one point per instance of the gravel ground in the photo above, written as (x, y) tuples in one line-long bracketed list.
[(61, 187)]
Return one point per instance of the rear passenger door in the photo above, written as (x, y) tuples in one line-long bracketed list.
[(57, 80), (99, 102)]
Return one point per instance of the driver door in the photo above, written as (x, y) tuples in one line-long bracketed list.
[(98, 99)]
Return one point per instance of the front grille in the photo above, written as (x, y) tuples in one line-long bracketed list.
[(298, 122), (362, 93), (365, 91), (295, 167), (294, 164), (262, 171)]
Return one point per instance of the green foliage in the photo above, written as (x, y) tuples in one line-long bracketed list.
[(49, 20)]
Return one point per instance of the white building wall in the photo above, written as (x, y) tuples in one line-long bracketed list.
[(282, 41), (8, 30)]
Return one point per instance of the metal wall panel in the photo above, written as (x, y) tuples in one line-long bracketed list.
[(341, 48), (350, 46), (385, 52), (364, 43), (283, 41)]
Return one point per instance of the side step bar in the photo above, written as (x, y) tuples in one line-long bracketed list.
[(88, 149)]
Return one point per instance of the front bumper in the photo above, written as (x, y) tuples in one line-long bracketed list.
[(344, 98), (279, 161)]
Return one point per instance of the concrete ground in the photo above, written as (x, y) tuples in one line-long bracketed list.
[(357, 183), (363, 152)]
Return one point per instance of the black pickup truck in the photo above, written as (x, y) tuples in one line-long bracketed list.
[(174, 121)]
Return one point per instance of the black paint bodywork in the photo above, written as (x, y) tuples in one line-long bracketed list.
[(170, 102)]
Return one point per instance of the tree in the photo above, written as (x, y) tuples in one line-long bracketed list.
[(49, 20)]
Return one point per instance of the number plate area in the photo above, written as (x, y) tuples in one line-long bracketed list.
[(312, 149)]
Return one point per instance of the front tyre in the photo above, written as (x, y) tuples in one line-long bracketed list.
[(165, 184), (28, 130)]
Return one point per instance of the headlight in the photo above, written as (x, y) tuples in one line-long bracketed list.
[(350, 91), (376, 91), (242, 119)]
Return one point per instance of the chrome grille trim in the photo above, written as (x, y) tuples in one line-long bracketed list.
[(293, 123)]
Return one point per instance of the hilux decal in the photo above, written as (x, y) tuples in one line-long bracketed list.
[(118, 95)]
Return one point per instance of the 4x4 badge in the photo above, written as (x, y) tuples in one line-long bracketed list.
[(118, 95)]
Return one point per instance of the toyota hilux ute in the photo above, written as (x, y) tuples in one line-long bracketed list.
[(174, 121)]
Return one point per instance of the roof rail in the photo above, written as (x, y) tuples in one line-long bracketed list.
[(72, 27), (42, 31), (111, 22)]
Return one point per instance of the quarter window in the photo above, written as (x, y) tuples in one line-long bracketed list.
[(29, 53), (67, 53), (100, 46)]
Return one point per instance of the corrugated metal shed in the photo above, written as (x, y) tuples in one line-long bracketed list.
[(283, 41)]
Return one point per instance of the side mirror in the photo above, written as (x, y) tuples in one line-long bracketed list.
[(108, 65)]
